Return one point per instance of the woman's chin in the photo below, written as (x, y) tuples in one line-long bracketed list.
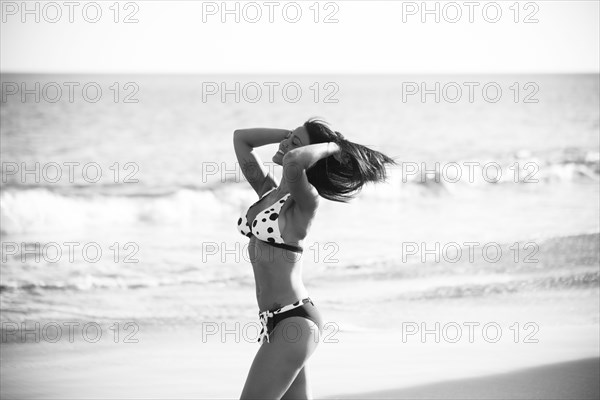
[(277, 159)]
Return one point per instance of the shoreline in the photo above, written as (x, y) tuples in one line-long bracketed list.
[(180, 363), (576, 379)]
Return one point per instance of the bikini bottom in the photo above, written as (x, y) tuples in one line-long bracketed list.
[(302, 308)]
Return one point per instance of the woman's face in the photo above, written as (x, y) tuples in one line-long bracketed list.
[(296, 138)]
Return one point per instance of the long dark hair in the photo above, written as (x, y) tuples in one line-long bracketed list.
[(342, 181)]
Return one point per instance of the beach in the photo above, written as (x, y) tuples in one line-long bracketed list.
[(568, 380), (427, 343), (429, 288), (179, 365)]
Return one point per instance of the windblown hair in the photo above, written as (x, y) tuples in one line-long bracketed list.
[(343, 181)]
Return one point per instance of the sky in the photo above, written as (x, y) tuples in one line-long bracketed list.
[(306, 37)]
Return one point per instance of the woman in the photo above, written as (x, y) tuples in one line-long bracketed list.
[(316, 162)]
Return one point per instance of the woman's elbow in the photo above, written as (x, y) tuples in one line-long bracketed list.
[(238, 135), (291, 157), (293, 160)]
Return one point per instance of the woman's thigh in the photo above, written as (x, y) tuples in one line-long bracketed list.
[(300, 388), (278, 362)]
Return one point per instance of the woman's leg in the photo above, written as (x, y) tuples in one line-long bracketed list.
[(300, 388), (277, 363)]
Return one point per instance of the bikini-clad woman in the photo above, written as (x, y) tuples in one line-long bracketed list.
[(317, 162)]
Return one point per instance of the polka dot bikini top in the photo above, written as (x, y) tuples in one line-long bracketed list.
[(266, 225)]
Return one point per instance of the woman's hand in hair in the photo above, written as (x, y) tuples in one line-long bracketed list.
[(337, 152)]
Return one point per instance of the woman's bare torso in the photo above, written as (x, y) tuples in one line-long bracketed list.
[(278, 271)]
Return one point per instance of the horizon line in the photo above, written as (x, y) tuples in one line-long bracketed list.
[(170, 73)]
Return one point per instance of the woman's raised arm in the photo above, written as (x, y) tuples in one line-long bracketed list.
[(244, 142), (295, 164)]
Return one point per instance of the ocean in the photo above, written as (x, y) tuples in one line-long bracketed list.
[(122, 206)]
